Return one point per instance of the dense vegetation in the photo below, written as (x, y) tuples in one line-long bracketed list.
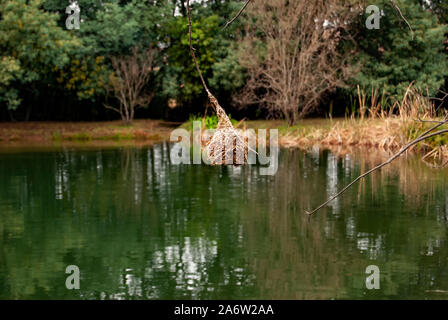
[(48, 72)]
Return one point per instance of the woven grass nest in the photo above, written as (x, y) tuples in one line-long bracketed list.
[(227, 146)]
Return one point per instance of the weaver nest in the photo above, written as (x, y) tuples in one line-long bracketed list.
[(227, 145)]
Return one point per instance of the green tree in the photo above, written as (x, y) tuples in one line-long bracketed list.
[(9, 72), (109, 29), (32, 46), (391, 58)]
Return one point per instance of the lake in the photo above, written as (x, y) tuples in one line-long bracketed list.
[(140, 228)]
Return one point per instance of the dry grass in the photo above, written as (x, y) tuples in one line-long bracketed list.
[(351, 132), (377, 127)]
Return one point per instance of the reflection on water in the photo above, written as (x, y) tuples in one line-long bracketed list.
[(139, 227)]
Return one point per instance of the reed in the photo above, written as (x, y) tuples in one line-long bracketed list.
[(380, 124)]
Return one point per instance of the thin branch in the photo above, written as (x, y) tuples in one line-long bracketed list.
[(192, 50), (399, 12), (111, 108), (237, 15), (422, 137), (430, 121)]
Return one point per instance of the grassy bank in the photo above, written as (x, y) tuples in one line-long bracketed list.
[(387, 133), (49, 132), (378, 126)]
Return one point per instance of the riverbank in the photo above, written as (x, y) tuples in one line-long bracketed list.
[(384, 133), (389, 134), (49, 132)]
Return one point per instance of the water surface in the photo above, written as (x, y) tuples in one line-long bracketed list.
[(140, 228)]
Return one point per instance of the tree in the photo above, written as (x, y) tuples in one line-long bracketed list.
[(109, 28), (32, 46), (9, 72), (132, 74), (392, 56), (291, 53)]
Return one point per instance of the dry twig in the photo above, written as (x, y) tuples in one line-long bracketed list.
[(237, 15), (399, 12)]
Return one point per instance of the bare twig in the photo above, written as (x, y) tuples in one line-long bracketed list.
[(425, 135), (399, 12), (111, 108), (192, 50), (430, 121), (237, 15)]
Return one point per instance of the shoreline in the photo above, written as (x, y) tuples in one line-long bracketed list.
[(48, 133), (387, 134)]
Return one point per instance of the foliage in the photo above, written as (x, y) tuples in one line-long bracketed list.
[(440, 8), (42, 63), (87, 77), (9, 71), (31, 46), (391, 59), (215, 53), (118, 28), (210, 122), (109, 29)]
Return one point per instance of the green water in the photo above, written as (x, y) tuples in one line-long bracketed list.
[(140, 228)]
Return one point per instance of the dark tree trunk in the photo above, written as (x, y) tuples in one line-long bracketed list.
[(28, 112), (183, 9), (11, 117)]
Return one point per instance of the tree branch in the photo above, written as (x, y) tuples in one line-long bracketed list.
[(430, 121), (399, 12), (112, 108), (237, 15)]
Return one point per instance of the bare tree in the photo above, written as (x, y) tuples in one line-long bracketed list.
[(299, 61), (128, 84)]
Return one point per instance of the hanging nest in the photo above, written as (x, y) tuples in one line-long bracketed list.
[(227, 146)]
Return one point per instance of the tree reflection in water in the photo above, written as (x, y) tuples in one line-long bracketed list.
[(139, 227)]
